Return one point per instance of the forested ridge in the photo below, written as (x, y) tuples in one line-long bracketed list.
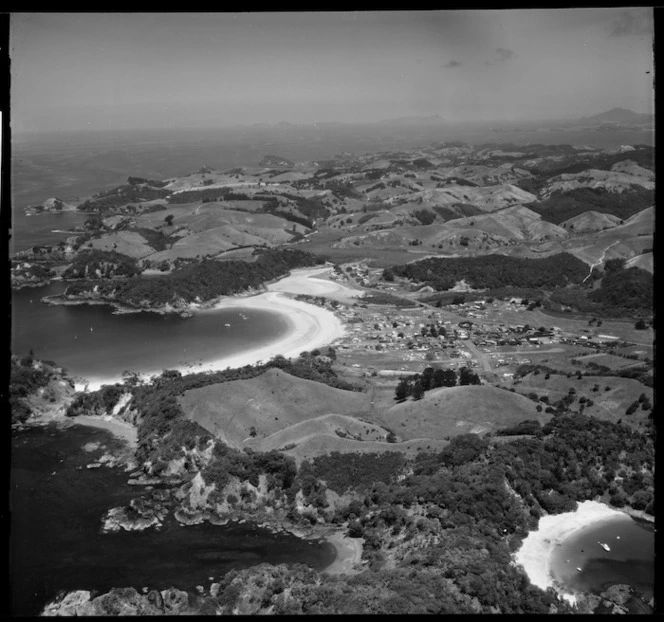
[(197, 282), (561, 206), (495, 271)]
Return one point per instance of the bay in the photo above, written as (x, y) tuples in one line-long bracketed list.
[(92, 342), (57, 545), (630, 560)]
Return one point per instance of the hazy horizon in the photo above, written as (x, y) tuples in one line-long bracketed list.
[(123, 71)]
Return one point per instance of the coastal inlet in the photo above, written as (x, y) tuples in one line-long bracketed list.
[(93, 342), (57, 543)]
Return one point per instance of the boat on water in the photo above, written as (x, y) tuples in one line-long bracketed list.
[(578, 569), (604, 545)]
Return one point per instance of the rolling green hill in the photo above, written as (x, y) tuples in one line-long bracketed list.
[(269, 403)]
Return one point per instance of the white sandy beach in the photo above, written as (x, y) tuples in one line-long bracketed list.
[(119, 428), (311, 326), (537, 548), (349, 554), (311, 281)]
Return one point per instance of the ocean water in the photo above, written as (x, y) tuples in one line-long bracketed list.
[(92, 342), (56, 543), (630, 560)]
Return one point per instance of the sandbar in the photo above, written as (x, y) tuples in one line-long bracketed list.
[(537, 548)]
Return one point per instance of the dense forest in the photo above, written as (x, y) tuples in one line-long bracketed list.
[(97, 264), (561, 206), (631, 289), (622, 292), (198, 282), (27, 375), (495, 271), (116, 200)]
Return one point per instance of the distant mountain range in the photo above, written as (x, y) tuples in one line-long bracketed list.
[(434, 118), (620, 116), (615, 116)]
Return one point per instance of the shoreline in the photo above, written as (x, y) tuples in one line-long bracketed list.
[(117, 427), (536, 551), (348, 554), (310, 327)]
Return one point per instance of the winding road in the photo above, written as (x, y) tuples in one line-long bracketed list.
[(600, 261)]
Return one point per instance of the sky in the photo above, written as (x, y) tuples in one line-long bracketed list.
[(153, 70)]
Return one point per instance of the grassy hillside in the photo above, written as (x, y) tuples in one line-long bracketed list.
[(607, 404), (450, 411), (267, 404)]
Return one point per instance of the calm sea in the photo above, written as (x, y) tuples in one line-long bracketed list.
[(630, 560), (55, 539), (90, 341)]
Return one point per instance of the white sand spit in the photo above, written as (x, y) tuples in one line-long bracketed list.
[(312, 281)]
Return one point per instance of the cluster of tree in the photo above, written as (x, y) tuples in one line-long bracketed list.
[(248, 466), (311, 208), (300, 220), (424, 216), (343, 190), (379, 186), (631, 290), (457, 181), (545, 169), (112, 201), (206, 195), (32, 271), (622, 293), (495, 271), (100, 402), (419, 163), (200, 281), (416, 386), (342, 472), (456, 210), (26, 376), (563, 205), (526, 427), (98, 264), (155, 183), (155, 239)]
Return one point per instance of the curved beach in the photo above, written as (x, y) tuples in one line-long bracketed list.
[(537, 548), (310, 326), (348, 554)]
